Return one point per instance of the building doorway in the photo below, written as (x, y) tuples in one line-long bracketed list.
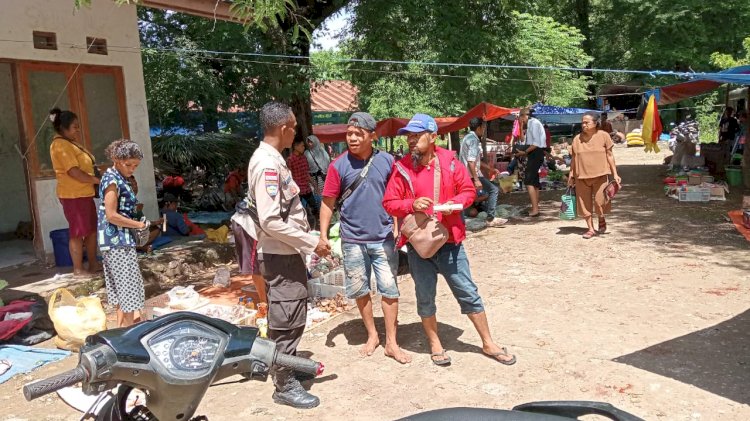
[(16, 217)]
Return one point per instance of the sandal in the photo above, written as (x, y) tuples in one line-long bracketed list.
[(497, 222), (503, 353), (589, 234), (602, 226), (445, 361)]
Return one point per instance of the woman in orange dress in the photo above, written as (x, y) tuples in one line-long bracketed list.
[(593, 164)]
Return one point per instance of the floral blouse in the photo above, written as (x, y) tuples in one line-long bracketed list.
[(110, 235)]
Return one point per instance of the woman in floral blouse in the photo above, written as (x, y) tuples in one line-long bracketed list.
[(115, 231)]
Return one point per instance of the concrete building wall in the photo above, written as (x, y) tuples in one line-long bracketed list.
[(104, 19)]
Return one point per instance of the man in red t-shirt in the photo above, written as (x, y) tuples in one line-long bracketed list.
[(297, 163), (410, 190)]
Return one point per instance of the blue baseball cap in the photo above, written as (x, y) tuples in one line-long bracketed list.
[(418, 124)]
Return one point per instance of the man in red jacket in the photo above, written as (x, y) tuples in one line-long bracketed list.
[(410, 190)]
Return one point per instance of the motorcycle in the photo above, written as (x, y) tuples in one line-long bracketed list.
[(173, 360), (532, 411)]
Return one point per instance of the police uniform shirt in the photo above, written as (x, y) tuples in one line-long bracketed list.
[(273, 190)]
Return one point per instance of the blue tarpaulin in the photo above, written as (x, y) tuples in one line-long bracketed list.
[(551, 114)]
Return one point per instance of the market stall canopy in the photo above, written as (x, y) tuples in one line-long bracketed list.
[(671, 94), (551, 114), (484, 110)]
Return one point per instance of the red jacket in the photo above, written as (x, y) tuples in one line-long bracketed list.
[(455, 186)]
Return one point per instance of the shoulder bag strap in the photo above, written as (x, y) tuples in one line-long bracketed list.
[(359, 180), (97, 173), (436, 187)]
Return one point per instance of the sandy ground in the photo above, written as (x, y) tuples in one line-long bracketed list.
[(651, 317)]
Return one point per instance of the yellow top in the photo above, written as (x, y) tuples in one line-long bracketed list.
[(66, 155)]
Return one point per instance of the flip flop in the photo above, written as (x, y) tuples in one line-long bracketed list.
[(445, 361), (602, 227), (589, 234), (504, 353), (497, 222)]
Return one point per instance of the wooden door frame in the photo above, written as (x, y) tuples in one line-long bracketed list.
[(27, 130)]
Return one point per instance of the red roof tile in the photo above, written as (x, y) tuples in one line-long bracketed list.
[(334, 95)]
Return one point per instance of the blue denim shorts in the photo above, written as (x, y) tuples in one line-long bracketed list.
[(451, 262), (361, 260)]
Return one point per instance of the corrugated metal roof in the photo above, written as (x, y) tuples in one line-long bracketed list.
[(334, 95)]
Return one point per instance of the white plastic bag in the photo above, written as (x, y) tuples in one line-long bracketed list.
[(183, 298), (75, 318)]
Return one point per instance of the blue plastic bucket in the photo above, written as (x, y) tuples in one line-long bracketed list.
[(60, 240)]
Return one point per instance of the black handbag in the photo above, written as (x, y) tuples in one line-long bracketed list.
[(403, 263)]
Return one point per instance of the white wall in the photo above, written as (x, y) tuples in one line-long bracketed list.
[(119, 26)]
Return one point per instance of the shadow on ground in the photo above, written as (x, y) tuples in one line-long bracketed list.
[(674, 227), (354, 332), (716, 359)]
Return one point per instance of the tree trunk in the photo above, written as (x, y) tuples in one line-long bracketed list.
[(583, 17)]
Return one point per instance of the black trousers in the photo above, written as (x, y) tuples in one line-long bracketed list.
[(286, 278)]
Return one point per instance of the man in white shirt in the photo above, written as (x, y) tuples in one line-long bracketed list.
[(471, 156), (535, 141)]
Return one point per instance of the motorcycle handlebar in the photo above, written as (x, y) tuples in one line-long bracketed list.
[(54, 383), (300, 364)]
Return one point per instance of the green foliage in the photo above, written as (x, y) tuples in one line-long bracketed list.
[(707, 116), (544, 42), (472, 31), (328, 65), (725, 61), (669, 35), (475, 31), (214, 153)]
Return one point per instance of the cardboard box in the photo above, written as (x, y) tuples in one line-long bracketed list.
[(717, 193)]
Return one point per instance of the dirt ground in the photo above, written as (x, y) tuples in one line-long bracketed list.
[(651, 317)]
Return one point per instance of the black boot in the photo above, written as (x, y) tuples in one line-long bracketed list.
[(290, 392), (303, 377)]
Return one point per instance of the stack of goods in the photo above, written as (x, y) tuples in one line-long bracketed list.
[(694, 186)]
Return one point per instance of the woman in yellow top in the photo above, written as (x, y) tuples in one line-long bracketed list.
[(74, 170), (593, 163)]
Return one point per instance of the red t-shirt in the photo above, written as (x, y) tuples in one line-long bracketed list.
[(300, 172)]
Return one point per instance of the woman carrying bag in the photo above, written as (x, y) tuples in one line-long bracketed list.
[(593, 163)]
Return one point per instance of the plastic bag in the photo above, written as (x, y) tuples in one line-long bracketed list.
[(222, 277), (183, 298), (75, 318), (568, 210)]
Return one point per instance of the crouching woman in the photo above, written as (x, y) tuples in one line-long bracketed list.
[(115, 231)]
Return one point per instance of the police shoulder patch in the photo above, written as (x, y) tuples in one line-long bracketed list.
[(271, 179)]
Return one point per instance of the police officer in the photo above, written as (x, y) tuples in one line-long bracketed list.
[(283, 240)]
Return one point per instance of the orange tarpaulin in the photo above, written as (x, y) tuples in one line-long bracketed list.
[(485, 110), (328, 133)]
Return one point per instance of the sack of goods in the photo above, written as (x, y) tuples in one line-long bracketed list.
[(75, 318)]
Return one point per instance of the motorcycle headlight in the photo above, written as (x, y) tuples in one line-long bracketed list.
[(187, 348)]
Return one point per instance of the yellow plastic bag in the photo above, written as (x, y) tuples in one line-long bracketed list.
[(75, 318)]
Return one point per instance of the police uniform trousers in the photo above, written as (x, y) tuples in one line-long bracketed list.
[(286, 281)]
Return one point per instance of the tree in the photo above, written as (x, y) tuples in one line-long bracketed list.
[(668, 35), (725, 61), (272, 26), (471, 32), (544, 42), (182, 81)]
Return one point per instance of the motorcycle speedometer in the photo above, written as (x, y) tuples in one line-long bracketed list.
[(187, 348), (194, 353)]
